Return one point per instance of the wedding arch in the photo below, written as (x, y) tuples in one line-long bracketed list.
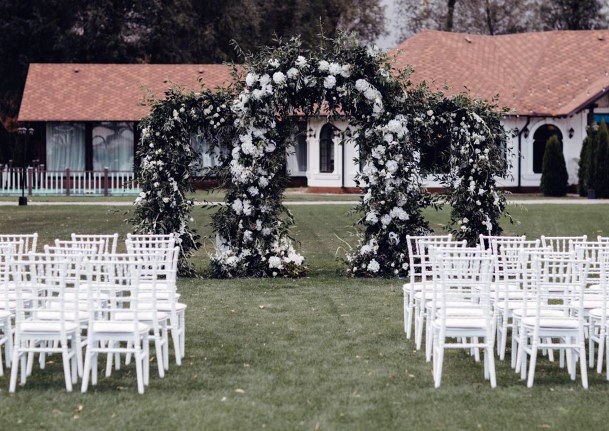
[(392, 122)]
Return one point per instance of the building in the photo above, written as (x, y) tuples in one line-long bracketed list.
[(554, 83)]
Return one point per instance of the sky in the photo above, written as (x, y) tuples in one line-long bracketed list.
[(390, 39)]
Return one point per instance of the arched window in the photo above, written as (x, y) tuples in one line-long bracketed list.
[(326, 149), (540, 138)]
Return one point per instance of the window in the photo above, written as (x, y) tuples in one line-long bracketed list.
[(300, 150), (540, 138), (326, 149), (435, 157), (113, 146), (200, 144), (65, 146)]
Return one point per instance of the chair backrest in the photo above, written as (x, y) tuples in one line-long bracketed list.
[(486, 241), (464, 277), (116, 279), (560, 243), (603, 281), (559, 283), (590, 250), (44, 275), (76, 247), (145, 248), (27, 242), (417, 253), (110, 242)]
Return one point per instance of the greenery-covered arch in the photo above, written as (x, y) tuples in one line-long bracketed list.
[(392, 120)]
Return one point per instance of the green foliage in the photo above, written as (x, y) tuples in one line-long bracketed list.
[(554, 176), (478, 156), (602, 162), (168, 163), (583, 164)]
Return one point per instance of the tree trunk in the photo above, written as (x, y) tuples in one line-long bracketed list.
[(450, 15)]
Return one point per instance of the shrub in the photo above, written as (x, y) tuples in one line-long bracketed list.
[(554, 176), (584, 161), (602, 162)]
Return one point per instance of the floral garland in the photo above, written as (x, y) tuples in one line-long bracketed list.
[(167, 164), (343, 79), (478, 157)]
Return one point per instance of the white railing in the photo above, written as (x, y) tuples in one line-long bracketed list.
[(38, 181)]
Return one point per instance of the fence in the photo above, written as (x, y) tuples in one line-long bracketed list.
[(38, 181)]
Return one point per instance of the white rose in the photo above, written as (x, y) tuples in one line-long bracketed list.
[(334, 69), (323, 66), (373, 266), (273, 62), (292, 73), (329, 82), (278, 78), (386, 219), (250, 79), (300, 61), (345, 71)]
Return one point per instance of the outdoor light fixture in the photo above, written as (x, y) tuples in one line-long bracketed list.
[(515, 131), (310, 132), (25, 132), (525, 132), (571, 132)]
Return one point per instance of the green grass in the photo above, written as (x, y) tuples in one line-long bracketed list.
[(321, 352)]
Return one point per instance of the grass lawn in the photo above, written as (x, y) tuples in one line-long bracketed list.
[(322, 352)]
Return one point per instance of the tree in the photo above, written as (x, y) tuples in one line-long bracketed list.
[(499, 16), (602, 162), (573, 15), (554, 176), (584, 161)]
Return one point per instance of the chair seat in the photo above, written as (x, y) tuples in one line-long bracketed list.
[(588, 303), (514, 305), (519, 312), (462, 323), (5, 314), (499, 296), (44, 326), (552, 322), (143, 316), (598, 313), (509, 287), (56, 315), (161, 294), (118, 327), (166, 306), (416, 287)]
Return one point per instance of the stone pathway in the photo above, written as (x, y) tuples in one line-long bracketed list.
[(548, 201)]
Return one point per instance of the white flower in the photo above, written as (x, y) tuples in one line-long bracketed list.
[(386, 219), (265, 80), (300, 61), (391, 166), (323, 66), (329, 82), (253, 191), (372, 218), (247, 235), (263, 182), (270, 147), (248, 148), (273, 62), (361, 85), (430, 113), (175, 114), (275, 262), (345, 71), (166, 200), (335, 69), (266, 231), (292, 73), (279, 78), (247, 208), (399, 213), (258, 225), (365, 249), (394, 238), (237, 206), (373, 266), (250, 79)]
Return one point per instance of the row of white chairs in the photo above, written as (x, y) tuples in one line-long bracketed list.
[(82, 294), (550, 294)]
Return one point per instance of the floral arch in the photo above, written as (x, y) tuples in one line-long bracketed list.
[(390, 120)]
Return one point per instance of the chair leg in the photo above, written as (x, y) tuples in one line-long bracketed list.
[(491, 365), (182, 326), (159, 355), (175, 337), (590, 350), (139, 362), (601, 350), (8, 347), (14, 368), (87, 367), (582, 360), (23, 369), (165, 334), (109, 358), (439, 364), (65, 355), (533, 360), (146, 360)]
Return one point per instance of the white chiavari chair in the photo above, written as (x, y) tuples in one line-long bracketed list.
[(28, 242), (561, 243), (120, 327), (597, 316), (49, 323), (555, 313), (461, 309), (7, 302), (416, 282), (110, 241)]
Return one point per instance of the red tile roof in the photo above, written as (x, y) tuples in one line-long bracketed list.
[(553, 73), (84, 92)]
